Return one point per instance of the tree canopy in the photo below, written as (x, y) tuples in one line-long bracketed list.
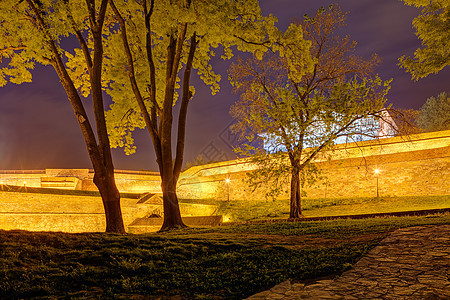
[(294, 105), (432, 28), (212, 28), (434, 115)]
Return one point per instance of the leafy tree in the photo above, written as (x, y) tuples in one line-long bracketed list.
[(432, 28), (150, 57), (434, 115), (31, 32), (301, 102)]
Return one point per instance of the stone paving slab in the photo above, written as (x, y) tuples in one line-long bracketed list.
[(411, 263)]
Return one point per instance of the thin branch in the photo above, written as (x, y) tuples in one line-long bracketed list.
[(265, 43), (12, 48), (156, 109), (187, 95), (82, 41)]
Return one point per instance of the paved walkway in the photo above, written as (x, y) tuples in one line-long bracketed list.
[(411, 263)]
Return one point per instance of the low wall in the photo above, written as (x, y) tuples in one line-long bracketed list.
[(69, 213), (30, 178), (82, 179)]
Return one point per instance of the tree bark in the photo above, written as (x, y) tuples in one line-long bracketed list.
[(172, 214), (296, 205), (111, 201)]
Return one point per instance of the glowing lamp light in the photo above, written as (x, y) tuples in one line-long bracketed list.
[(227, 182), (377, 171)]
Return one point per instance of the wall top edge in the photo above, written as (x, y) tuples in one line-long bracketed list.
[(195, 169)]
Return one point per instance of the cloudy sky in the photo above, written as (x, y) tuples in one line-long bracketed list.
[(38, 129)]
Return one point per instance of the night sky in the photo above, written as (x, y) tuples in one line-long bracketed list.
[(38, 129)]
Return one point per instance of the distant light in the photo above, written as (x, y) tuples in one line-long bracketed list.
[(24, 183), (376, 171), (227, 180)]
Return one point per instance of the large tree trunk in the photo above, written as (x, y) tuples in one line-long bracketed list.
[(111, 201), (172, 214), (296, 206)]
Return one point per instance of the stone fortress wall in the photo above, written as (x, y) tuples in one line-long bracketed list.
[(419, 165), (81, 179)]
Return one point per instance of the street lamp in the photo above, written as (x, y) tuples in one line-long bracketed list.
[(227, 182), (377, 171)]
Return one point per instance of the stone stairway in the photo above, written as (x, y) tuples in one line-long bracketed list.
[(69, 183)]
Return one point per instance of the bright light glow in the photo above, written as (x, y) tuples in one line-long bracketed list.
[(227, 180), (376, 171), (226, 219)]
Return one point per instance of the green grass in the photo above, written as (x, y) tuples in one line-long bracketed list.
[(253, 210), (229, 262)]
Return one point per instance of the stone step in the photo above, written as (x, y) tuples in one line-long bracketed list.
[(59, 182)]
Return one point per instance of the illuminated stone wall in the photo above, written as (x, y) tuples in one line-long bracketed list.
[(22, 178), (129, 181), (81, 179), (68, 213), (418, 166)]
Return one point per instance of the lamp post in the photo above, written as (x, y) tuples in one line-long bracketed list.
[(377, 171), (227, 182)]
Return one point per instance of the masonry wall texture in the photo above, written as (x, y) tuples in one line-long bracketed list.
[(419, 165), (48, 212)]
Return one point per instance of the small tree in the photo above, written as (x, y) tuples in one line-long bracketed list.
[(434, 115), (432, 28), (31, 32), (301, 109)]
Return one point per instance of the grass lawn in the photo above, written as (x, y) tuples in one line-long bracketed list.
[(254, 210), (229, 262)]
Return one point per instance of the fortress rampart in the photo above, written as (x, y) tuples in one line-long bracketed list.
[(417, 165)]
